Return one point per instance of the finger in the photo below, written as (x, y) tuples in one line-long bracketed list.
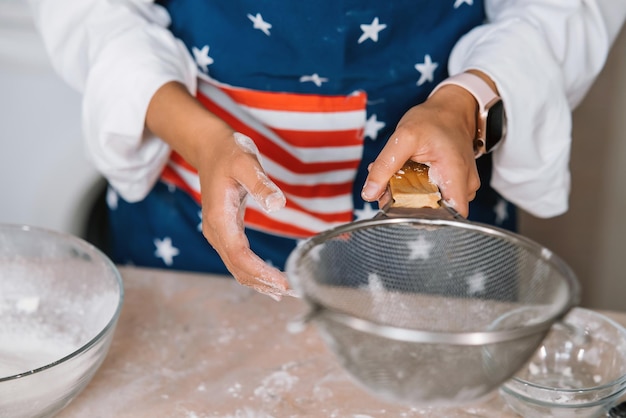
[(224, 229), (457, 183), (263, 190), (246, 267), (392, 157), (452, 185), (254, 179), (249, 270), (384, 199)]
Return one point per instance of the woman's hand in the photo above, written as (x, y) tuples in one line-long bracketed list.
[(440, 133), (228, 169), (229, 173)]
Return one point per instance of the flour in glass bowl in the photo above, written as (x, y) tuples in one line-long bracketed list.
[(42, 314), (42, 344)]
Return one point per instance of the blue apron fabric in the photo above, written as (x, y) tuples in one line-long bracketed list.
[(397, 70)]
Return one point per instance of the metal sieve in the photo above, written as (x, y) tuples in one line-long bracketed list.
[(429, 309)]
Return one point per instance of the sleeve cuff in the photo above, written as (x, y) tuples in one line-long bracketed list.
[(531, 165), (118, 91)]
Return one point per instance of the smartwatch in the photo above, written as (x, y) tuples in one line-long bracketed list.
[(491, 118)]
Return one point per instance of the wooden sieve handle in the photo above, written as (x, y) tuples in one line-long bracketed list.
[(411, 188)]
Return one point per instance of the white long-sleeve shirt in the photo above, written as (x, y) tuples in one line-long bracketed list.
[(542, 55)]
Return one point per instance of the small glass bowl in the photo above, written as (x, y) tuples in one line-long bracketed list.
[(578, 371), (60, 299)]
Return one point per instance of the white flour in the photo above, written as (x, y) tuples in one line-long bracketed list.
[(275, 385), (28, 304), (46, 316), (27, 340), (248, 413), (21, 353), (51, 305)]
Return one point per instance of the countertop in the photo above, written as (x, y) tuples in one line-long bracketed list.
[(195, 346)]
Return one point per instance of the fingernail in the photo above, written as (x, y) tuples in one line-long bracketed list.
[(292, 293), (275, 201), (370, 191), (277, 298), (246, 143)]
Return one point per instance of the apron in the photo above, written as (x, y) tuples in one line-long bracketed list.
[(319, 87)]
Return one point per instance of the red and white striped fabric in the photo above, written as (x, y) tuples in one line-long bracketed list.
[(309, 145)]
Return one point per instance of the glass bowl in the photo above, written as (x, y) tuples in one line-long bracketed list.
[(60, 299), (578, 371)]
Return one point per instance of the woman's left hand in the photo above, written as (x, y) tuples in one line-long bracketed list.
[(439, 133)]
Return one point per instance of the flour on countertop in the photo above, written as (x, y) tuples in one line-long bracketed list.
[(226, 335), (275, 385), (248, 413), (235, 390)]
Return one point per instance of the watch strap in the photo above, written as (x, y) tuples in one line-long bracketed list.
[(485, 97)]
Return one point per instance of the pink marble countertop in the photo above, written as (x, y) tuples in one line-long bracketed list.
[(196, 346)]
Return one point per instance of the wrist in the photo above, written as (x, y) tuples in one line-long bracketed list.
[(183, 123), (490, 120), (461, 105)]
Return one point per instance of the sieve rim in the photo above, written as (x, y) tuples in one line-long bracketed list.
[(466, 338), (318, 309)]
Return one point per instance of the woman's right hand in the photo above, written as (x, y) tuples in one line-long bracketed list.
[(227, 175), (229, 169)]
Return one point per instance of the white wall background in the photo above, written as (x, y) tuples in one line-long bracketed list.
[(45, 178), (591, 237)]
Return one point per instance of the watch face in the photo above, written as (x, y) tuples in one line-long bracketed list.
[(495, 126)]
